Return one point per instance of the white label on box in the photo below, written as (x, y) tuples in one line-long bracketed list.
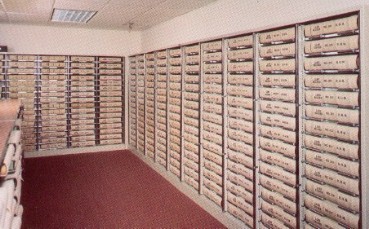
[(332, 26), (332, 114), (241, 67), (241, 41), (240, 113), (333, 44), (277, 65), (288, 95), (347, 81), (278, 50), (332, 130), (240, 79), (278, 107), (192, 49), (241, 54), (332, 97), (213, 98), (240, 102), (278, 35), (346, 62), (283, 80), (175, 52), (278, 120), (213, 56), (209, 46), (240, 91)]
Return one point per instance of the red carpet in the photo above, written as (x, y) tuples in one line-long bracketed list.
[(104, 190)]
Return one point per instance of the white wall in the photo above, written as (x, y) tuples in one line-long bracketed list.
[(233, 16), (30, 39)]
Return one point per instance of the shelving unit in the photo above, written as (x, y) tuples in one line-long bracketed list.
[(331, 125), (162, 134), (239, 128), (83, 82), (278, 167), (150, 105), (22, 83), (212, 121), (132, 106), (53, 131), (111, 100), (69, 101), (175, 111), (141, 103), (191, 116)]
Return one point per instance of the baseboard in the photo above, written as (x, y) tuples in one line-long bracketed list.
[(59, 152), (224, 217)]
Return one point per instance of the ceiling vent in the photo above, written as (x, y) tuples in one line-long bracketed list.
[(72, 16)]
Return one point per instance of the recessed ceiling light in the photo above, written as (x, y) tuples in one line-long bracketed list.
[(73, 16)]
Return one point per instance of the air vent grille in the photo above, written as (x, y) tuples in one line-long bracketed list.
[(72, 16)]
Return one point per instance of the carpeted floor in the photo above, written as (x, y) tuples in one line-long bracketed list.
[(104, 190)]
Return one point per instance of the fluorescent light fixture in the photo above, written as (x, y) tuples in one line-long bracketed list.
[(73, 16)]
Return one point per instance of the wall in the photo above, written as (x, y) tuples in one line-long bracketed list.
[(233, 16), (63, 40)]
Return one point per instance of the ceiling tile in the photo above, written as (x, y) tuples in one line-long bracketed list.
[(121, 12), (167, 11), (3, 17), (28, 6), (91, 5), (28, 18)]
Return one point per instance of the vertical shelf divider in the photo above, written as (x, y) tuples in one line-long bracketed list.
[(183, 73), (167, 111), (300, 89), (257, 195), (68, 101), (225, 119), (364, 84), (201, 154)]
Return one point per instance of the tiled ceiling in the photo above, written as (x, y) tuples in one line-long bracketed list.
[(111, 14)]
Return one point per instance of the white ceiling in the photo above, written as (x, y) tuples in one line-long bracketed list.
[(111, 14)]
